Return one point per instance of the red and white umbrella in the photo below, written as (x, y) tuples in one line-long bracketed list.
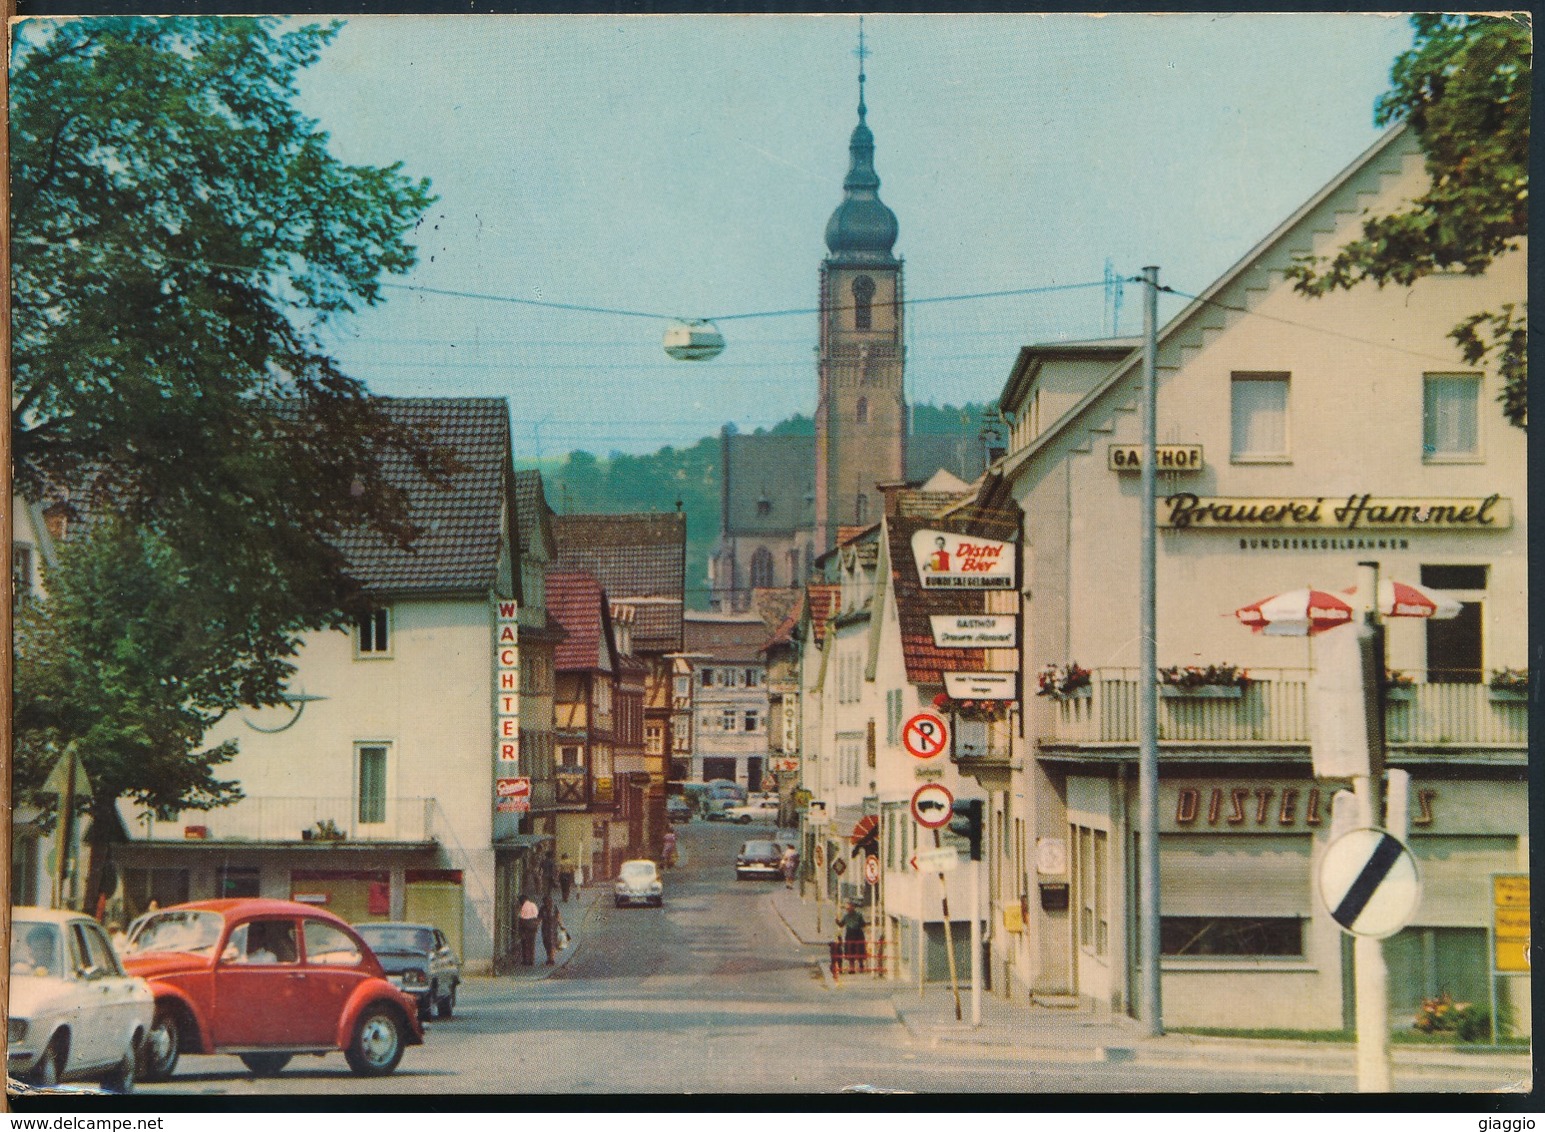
[(1297, 613), (1402, 599)]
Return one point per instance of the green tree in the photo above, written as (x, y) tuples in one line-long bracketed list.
[(180, 236), (1463, 87)]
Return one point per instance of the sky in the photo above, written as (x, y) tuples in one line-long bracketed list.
[(685, 167)]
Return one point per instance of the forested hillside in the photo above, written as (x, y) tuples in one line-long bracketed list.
[(582, 482)]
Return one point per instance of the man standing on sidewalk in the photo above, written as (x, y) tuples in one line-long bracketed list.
[(528, 920)]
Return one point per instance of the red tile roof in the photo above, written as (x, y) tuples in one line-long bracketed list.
[(634, 557), (915, 605), (578, 603), (822, 600), (725, 637)]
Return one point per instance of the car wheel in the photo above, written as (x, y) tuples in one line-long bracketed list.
[(447, 1005), (121, 1078), (46, 1072), (161, 1046), (377, 1045), (744, 819), (265, 1064), (658, 902)]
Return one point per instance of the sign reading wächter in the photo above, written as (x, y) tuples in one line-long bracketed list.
[(947, 561)]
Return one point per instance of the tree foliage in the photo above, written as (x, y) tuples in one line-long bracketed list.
[(1464, 88), (180, 235)]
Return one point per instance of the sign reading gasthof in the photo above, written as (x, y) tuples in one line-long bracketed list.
[(947, 561), (974, 631), (1167, 457)]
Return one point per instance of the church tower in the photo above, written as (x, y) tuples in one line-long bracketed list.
[(861, 413)]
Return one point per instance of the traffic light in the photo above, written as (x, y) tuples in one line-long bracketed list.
[(967, 823)]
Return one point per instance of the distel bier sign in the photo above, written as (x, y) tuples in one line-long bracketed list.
[(947, 561)]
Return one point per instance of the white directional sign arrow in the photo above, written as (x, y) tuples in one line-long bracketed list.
[(940, 860), (1369, 883)]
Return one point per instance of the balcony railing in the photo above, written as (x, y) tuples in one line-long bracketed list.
[(1274, 710), (293, 819)]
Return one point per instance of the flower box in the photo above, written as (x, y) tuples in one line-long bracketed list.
[(1508, 695), (1080, 693), (1201, 692)]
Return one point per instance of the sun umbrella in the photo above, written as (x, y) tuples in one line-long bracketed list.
[(1402, 599), (1297, 613)]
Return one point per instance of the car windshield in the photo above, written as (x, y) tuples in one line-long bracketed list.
[(176, 931), (34, 948), (759, 849), (395, 938), (637, 870)]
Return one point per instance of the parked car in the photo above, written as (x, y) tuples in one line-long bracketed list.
[(638, 882), (265, 980), (417, 959), (74, 1012), (762, 808), (759, 859), (677, 808)]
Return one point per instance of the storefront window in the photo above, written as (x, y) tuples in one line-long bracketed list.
[(1231, 935)]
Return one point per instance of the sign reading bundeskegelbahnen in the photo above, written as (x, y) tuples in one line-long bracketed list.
[(974, 631), (947, 561), (1185, 511)]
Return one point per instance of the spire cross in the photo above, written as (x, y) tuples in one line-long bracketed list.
[(862, 53)]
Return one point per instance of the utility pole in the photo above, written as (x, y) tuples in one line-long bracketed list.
[(1148, 675), (1370, 974)]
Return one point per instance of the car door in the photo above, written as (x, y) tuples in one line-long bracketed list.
[(88, 1042), (445, 960), (334, 967), (258, 982), (112, 1004)]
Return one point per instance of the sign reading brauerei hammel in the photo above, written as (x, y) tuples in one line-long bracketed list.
[(1320, 514), (975, 631), (947, 561)]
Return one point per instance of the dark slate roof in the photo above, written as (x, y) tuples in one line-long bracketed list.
[(776, 470), (958, 453), (459, 522), (633, 557), (533, 517), (578, 603), (915, 605), (733, 638)]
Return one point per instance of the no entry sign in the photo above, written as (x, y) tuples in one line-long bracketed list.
[(1369, 883), (932, 805), (925, 735), (872, 870)]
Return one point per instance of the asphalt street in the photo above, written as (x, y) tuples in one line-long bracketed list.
[(710, 994)]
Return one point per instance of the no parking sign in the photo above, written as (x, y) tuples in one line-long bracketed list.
[(925, 735)]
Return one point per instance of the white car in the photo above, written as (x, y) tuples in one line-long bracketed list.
[(638, 882), (763, 809), (74, 1012)]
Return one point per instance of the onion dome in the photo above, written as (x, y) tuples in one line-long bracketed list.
[(863, 229)]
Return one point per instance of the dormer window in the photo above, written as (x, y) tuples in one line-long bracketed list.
[(764, 506), (863, 299)]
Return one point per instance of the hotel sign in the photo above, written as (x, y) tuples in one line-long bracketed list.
[(975, 631), (947, 561), (1167, 457), (1334, 514)]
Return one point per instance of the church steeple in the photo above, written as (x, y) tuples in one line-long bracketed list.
[(863, 229)]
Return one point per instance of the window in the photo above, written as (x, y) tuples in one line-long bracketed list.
[(893, 716), (1231, 935), (863, 303), (262, 941), (569, 757), (233, 881), (1259, 404), (1451, 416), (753, 678), (1455, 653), (1092, 847), (861, 411), (752, 721), (329, 947), (728, 717), (708, 677), (372, 784), (762, 568), (372, 636)]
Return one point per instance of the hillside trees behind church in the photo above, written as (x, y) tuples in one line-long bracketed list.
[(181, 235), (1464, 88)]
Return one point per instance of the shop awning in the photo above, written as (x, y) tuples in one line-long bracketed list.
[(521, 840)]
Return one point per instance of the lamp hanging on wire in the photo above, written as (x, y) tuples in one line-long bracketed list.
[(693, 340)]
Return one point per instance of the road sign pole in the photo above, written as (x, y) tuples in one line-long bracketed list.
[(976, 944), (1371, 974), (949, 938)]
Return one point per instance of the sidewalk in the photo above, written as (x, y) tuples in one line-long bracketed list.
[(576, 914), (1080, 1035)]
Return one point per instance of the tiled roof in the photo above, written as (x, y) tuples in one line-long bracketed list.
[(960, 453), (915, 605), (578, 603), (783, 632), (773, 605), (725, 637), (459, 522), (823, 601), (634, 557), (533, 517)]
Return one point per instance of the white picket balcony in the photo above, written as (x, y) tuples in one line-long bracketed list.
[(292, 819)]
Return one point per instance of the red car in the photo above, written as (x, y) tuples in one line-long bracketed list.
[(265, 980)]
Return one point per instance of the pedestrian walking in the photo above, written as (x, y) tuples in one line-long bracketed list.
[(789, 864), (852, 926), (551, 924), (528, 920), (565, 875), (668, 853)]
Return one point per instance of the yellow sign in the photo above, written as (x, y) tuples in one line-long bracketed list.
[(1013, 918), (1510, 922)]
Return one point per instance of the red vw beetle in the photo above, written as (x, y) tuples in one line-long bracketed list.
[(265, 980)]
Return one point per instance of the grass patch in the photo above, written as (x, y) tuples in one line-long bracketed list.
[(1397, 1037)]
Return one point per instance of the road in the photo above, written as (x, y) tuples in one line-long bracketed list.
[(709, 994)]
